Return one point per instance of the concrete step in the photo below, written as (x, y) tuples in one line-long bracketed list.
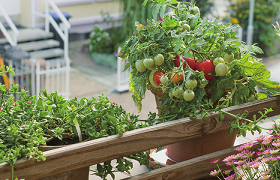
[(36, 45), (49, 53), (29, 34)]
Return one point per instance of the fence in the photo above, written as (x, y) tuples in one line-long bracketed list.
[(51, 75), (62, 29), (122, 77), (84, 154), (34, 74)]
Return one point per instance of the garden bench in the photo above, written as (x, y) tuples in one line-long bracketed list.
[(85, 154)]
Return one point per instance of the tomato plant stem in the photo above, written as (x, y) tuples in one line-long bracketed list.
[(12, 172)]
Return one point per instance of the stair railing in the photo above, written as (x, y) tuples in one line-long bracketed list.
[(62, 30), (12, 40)]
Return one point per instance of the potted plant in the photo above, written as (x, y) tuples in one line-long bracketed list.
[(33, 124), (193, 66)]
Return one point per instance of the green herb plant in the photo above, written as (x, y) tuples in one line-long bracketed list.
[(202, 63), (27, 124)]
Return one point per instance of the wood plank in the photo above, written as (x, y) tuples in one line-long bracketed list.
[(104, 149), (193, 169)]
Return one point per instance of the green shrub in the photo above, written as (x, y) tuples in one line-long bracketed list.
[(99, 40), (264, 13)]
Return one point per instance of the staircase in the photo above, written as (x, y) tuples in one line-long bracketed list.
[(49, 64), (37, 42)]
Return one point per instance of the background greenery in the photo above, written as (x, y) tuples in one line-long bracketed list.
[(265, 13)]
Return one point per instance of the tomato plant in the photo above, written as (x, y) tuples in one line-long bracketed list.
[(207, 67), (202, 48)]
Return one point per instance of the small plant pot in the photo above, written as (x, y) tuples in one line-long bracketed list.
[(198, 146)]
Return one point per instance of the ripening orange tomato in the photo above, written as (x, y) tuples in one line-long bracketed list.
[(176, 78)]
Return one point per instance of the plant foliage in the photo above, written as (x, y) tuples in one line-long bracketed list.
[(205, 39)]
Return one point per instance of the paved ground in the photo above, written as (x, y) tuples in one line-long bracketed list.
[(91, 80)]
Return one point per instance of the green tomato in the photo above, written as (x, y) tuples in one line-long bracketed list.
[(203, 83), (175, 92), (229, 57), (152, 68), (140, 66), (164, 79), (218, 60), (159, 59), (171, 94), (149, 63), (186, 27), (194, 10), (180, 90), (151, 79), (188, 95), (221, 69), (191, 83)]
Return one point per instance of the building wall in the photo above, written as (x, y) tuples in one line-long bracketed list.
[(84, 13), (91, 9), (25, 19)]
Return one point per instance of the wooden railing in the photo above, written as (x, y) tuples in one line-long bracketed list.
[(100, 150)]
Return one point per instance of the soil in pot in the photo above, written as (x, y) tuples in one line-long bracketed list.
[(77, 174)]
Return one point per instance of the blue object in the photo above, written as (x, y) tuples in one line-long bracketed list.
[(55, 15)]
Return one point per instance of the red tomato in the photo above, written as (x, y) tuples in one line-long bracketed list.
[(190, 62), (157, 77), (177, 61), (207, 67)]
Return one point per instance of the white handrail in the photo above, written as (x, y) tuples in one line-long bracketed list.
[(63, 32), (60, 15), (13, 41)]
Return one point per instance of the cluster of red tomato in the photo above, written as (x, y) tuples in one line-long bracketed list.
[(158, 78), (205, 66)]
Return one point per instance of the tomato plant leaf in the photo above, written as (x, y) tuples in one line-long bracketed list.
[(162, 10), (145, 3)]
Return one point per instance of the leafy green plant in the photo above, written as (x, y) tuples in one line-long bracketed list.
[(264, 12), (99, 40), (27, 124), (206, 52)]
